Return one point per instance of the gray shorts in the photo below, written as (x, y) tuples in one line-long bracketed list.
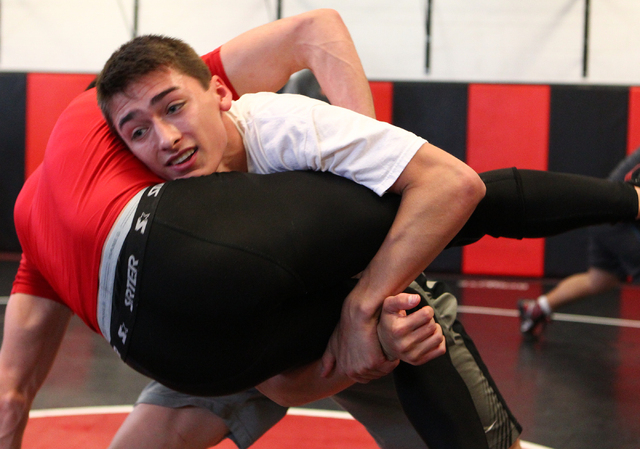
[(248, 414), (616, 249), (375, 405)]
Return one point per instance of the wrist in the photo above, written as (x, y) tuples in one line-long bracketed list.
[(363, 305), (360, 312)]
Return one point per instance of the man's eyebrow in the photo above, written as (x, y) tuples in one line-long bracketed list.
[(162, 94), (126, 118), (154, 100)]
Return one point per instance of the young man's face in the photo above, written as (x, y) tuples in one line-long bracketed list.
[(172, 124)]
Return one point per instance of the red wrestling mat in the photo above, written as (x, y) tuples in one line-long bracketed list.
[(94, 431)]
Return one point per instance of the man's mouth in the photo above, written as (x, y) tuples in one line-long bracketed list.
[(185, 157)]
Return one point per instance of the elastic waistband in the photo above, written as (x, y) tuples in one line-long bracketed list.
[(137, 208)]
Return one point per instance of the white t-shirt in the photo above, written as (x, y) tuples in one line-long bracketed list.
[(287, 132)]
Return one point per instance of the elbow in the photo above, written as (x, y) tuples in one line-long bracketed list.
[(326, 15), (316, 21), (318, 27), (469, 188), (477, 187), (312, 34)]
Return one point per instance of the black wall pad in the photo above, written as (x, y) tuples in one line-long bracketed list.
[(588, 136), (12, 147), (437, 112)]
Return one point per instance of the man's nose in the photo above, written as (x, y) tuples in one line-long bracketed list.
[(168, 134)]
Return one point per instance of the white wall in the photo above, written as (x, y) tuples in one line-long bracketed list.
[(205, 24), (524, 41)]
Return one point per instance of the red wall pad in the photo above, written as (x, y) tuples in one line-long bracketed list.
[(633, 130), (508, 125), (382, 100), (48, 94)]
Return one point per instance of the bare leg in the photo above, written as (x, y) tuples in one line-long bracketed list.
[(591, 282), (154, 427), (535, 314)]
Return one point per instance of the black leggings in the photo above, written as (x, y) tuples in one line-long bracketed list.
[(531, 203), (244, 275)]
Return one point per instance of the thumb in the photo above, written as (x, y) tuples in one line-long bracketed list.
[(328, 363), (397, 303)]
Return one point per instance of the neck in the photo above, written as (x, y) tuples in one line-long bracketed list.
[(235, 155)]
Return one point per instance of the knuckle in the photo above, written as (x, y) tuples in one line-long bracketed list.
[(397, 331)]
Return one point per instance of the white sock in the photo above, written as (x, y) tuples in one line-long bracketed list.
[(543, 302)]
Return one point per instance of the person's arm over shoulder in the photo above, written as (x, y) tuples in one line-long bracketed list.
[(33, 331), (264, 58), (438, 194)]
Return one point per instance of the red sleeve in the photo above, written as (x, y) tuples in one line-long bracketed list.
[(215, 65), (29, 280)]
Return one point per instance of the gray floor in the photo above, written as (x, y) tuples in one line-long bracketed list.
[(577, 387)]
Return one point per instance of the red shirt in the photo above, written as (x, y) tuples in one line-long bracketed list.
[(67, 207)]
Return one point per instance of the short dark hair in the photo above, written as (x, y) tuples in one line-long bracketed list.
[(144, 55)]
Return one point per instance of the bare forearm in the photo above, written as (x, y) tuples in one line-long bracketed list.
[(264, 58), (439, 193), (335, 62), (303, 385), (431, 212)]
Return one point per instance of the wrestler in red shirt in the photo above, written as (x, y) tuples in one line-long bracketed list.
[(61, 257)]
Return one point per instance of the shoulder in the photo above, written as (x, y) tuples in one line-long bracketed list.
[(285, 102)]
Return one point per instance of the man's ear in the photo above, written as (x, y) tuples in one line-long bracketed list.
[(221, 90)]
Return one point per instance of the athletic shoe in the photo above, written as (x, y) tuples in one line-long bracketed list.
[(532, 318)]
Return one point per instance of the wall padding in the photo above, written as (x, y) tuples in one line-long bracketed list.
[(633, 125), (382, 93), (12, 130), (437, 112), (587, 136), (508, 126), (575, 129)]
